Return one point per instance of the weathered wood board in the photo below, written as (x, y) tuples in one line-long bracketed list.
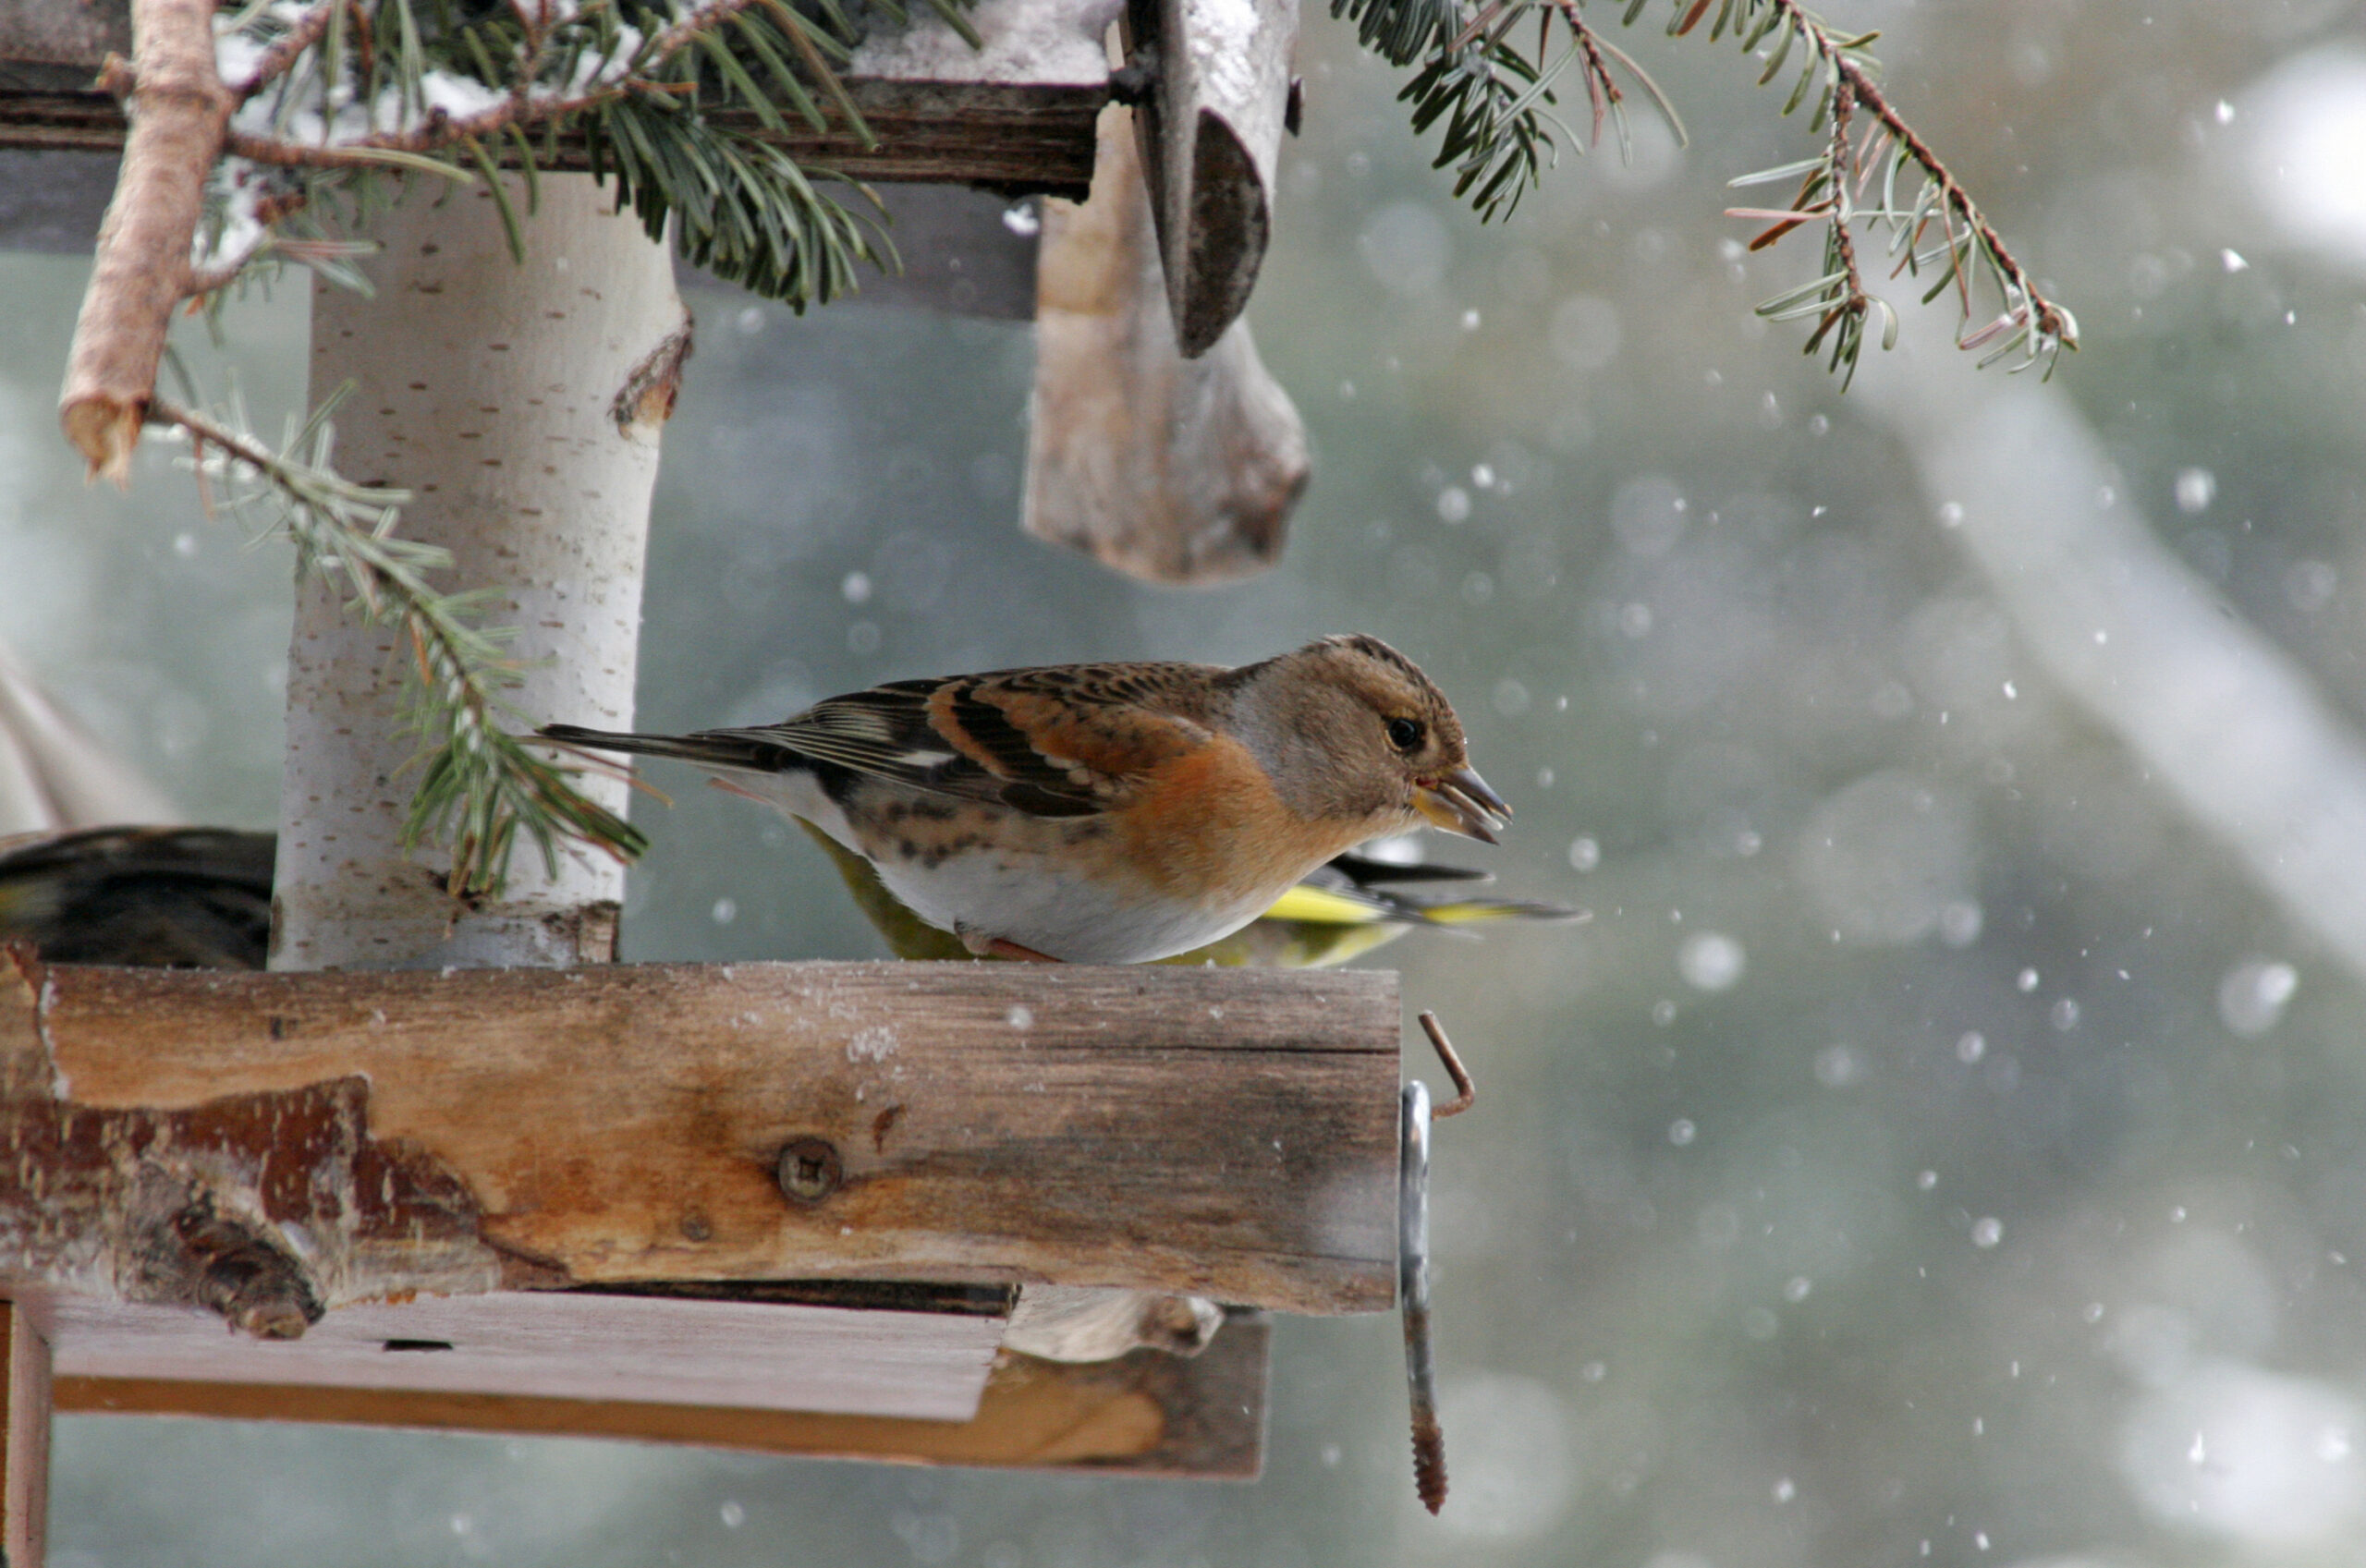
[(1017, 114), (1146, 1413), (269, 1146), (24, 1436), (761, 1356)]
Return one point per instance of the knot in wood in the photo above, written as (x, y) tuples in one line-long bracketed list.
[(810, 1170)]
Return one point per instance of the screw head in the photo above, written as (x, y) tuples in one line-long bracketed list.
[(810, 1170)]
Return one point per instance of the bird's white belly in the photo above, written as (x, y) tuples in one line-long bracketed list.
[(1012, 894), (1016, 897)]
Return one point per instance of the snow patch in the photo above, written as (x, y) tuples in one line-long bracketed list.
[(875, 1043)]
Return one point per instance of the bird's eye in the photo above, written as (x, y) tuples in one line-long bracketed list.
[(1404, 734)]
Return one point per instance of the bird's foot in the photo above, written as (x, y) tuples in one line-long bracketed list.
[(999, 947)]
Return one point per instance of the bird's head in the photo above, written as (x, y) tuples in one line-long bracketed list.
[(1348, 726)]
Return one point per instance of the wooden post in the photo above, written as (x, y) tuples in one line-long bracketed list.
[(24, 1437), (521, 403)]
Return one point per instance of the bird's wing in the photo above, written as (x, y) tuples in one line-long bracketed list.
[(1065, 742), (1333, 895)]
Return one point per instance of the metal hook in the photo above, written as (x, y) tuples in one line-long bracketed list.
[(1413, 1284)]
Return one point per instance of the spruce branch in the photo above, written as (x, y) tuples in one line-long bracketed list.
[(479, 785), (2028, 322), (1493, 94), (1496, 95), (393, 91), (261, 133)]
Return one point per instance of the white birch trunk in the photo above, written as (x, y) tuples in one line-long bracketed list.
[(521, 405)]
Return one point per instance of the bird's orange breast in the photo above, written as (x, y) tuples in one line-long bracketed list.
[(1207, 824)]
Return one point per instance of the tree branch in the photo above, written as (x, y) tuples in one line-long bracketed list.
[(179, 110), (478, 778), (1494, 99), (2051, 319), (282, 53)]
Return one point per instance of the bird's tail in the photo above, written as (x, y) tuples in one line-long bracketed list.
[(712, 749)]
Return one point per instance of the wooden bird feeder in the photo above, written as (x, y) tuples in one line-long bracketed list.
[(780, 1207), (656, 1200)]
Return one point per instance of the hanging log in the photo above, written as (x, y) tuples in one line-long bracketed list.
[(1211, 132), (1171, 469)]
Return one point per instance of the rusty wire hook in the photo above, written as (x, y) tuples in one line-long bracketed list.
[(1465, 1094)]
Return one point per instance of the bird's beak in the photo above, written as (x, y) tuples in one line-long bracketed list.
[(1461, 802)]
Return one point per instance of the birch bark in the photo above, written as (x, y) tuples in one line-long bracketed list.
[(521, 403)]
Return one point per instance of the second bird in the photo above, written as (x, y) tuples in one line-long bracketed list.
[(1108, 813)]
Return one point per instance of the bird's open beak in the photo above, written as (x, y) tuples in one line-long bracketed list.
[(1461, 802)]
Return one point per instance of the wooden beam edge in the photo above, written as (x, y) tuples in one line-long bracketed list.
[(1146, 1413), (1016, 139), (24, 1435)]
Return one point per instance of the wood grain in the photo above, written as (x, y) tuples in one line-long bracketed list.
[(1015, 137), (567, 1344), (24, 1437), (1230, 1133), (1148, 1414)]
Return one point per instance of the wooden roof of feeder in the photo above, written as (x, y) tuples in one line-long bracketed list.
[(1016, 115)]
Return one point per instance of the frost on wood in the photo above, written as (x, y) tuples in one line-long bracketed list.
[(1019, 41), (490, 389)]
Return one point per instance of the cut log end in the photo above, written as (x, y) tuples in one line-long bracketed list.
[(105, 430)]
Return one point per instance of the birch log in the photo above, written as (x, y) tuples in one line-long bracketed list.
[(522, 404), (1167, 468), (1211, 137)]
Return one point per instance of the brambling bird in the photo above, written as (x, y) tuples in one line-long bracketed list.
[(1107, 813)]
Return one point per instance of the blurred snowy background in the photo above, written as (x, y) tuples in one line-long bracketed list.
[(1948, 1140)]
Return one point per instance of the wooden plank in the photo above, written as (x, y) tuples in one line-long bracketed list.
[(567, 1344), (1016, 139), (1147, 1413), (1017, 114), (271, 1145), (24, 1437)]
